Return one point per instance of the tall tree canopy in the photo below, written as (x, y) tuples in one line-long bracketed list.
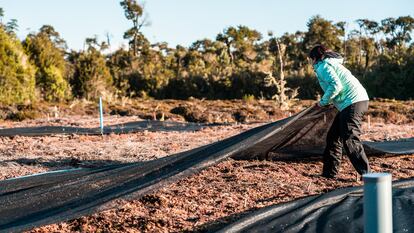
[(135, 13)]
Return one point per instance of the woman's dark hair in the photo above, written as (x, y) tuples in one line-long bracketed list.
[(317, 53)]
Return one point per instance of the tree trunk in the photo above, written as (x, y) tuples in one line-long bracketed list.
[(367, 60), (282, 82)]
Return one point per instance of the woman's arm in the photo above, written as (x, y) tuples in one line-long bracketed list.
[(329, 75)]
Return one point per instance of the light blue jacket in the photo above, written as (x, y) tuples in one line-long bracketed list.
[(340, 87)]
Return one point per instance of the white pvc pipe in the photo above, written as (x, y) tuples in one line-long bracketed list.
[(101, 115), (377, 203)]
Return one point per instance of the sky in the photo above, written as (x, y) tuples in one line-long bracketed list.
[(185, 21)]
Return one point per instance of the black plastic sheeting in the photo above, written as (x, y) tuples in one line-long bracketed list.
[(337, 211), (41, 199)]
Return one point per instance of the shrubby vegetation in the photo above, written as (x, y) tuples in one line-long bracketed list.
[(90, 76), (17, 74), (240, 63), (46, 50)]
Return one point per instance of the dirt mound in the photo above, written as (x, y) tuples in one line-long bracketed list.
[(202, 111), (392, 111), (193, 113)]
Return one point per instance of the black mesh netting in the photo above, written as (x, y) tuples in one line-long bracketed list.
[(36, 200), (338, 211), (129, 127)]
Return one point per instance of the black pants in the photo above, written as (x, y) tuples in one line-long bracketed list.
[(344, 134)]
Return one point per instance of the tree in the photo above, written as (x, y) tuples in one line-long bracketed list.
[(241, 44), (92, 42), (91, 77), (151, 76), (17, 74), (342, 28), (119, 63), (54, 37), (208, 58), (1, 15), (280, 83), (366, 42), (397, 31), (46, 49), (179, 54), (368, 26), (322, 31), (12, 27), (134, 12), (294, 55)]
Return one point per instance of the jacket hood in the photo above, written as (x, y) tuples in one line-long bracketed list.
[(331, 61), (330, 57), (334, 60)]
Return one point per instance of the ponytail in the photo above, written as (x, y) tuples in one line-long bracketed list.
[(318, 52)]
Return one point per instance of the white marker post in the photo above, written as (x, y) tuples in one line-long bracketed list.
[(101, 115), (377, 203)]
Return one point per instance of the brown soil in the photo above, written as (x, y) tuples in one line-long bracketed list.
[(197, 203), (194, 110)]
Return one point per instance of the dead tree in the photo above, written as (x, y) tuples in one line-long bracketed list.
[(281, 95)]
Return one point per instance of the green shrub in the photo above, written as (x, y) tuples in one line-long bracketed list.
[(91, 77), (51, 65), (17, 74), (248, 98), (22, 115)]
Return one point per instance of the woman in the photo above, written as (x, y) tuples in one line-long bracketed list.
[(343, 90)]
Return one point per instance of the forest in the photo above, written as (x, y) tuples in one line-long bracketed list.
[(240, 63)]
